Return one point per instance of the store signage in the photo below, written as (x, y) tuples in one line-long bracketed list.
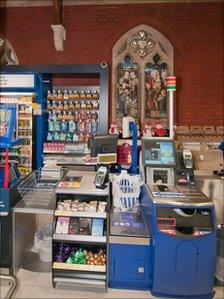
[(17, 81)]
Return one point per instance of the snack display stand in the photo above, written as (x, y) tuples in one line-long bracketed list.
[(77, 198)]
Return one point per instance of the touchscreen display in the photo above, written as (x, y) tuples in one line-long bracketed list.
[(159, 153)]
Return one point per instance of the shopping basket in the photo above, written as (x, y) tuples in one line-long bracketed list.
[(37, 188)]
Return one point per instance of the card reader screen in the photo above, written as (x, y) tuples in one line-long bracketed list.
[(159, 153), (160, 176)]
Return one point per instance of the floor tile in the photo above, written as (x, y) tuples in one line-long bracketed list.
[(219, 292), (22, 291), (44, 280), (49, 292), (27, 278), (115, 293), (141, 294)]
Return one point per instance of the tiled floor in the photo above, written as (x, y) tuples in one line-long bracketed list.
[(38, 285)]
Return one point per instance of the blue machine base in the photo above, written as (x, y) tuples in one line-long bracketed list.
[(129, 266), (128, 286), (204, 296)]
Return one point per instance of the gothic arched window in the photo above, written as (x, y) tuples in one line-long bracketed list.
[(142, 58)]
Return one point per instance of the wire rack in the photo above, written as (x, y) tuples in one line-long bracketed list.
[(38, 187)]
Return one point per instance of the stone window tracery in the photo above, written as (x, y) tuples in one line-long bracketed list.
[(142, 59)]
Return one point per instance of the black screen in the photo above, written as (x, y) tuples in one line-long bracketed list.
[(103, 144)]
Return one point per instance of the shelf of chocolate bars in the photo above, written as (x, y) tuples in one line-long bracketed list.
[(68, 256), (76, 208)]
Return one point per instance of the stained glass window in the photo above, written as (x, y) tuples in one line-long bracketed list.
[(156, 99), (142, 58), (127, 88)]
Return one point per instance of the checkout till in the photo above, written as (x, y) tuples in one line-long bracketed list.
[(161, 234), (168, 243)]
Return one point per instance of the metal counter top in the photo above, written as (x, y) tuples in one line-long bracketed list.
[(86, 187), (190, 196)]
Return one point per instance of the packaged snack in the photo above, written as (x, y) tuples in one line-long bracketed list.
[(60, 206), (97, 227), (88, 95), (73, 226), (62, 225), (66, 105), (95, 95), (60, 106), (84, 226), (82, 95), (65, 96), (75, 137), (64, 125), (49, 136), (69, 137), (77, 105), (59, 96), (91, 206), (102, 206), (71, 125), (54, 95), (74, 205), (89, 105), (70, 95), (71, 106), (63, 137), (48, 105), (56, 136), (49, 95), (76, 95), (77, 258), (81, 207)]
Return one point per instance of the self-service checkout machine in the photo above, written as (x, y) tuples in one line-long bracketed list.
[(129, 242), (181, 221)]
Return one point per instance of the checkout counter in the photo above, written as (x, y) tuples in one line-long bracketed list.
[(167, 245), (129, 251)]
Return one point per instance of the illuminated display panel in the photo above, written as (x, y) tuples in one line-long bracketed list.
[(159, 152)]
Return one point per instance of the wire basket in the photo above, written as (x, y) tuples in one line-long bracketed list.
[(38, 187), (126, 191)]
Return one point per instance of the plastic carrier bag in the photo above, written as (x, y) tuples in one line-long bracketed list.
[(126, 191), (43, 242)]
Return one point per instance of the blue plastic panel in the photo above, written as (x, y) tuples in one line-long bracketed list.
[(186, 259), (129, 266), (7, 124)]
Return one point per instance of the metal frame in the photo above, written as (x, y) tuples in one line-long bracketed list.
[(97, 69), (13, 286)]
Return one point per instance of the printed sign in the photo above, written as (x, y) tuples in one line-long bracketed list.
[(17, 80)]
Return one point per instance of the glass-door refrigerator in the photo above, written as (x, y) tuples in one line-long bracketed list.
[(28, 92)]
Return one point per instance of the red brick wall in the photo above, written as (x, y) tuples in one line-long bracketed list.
[(194, 29)]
